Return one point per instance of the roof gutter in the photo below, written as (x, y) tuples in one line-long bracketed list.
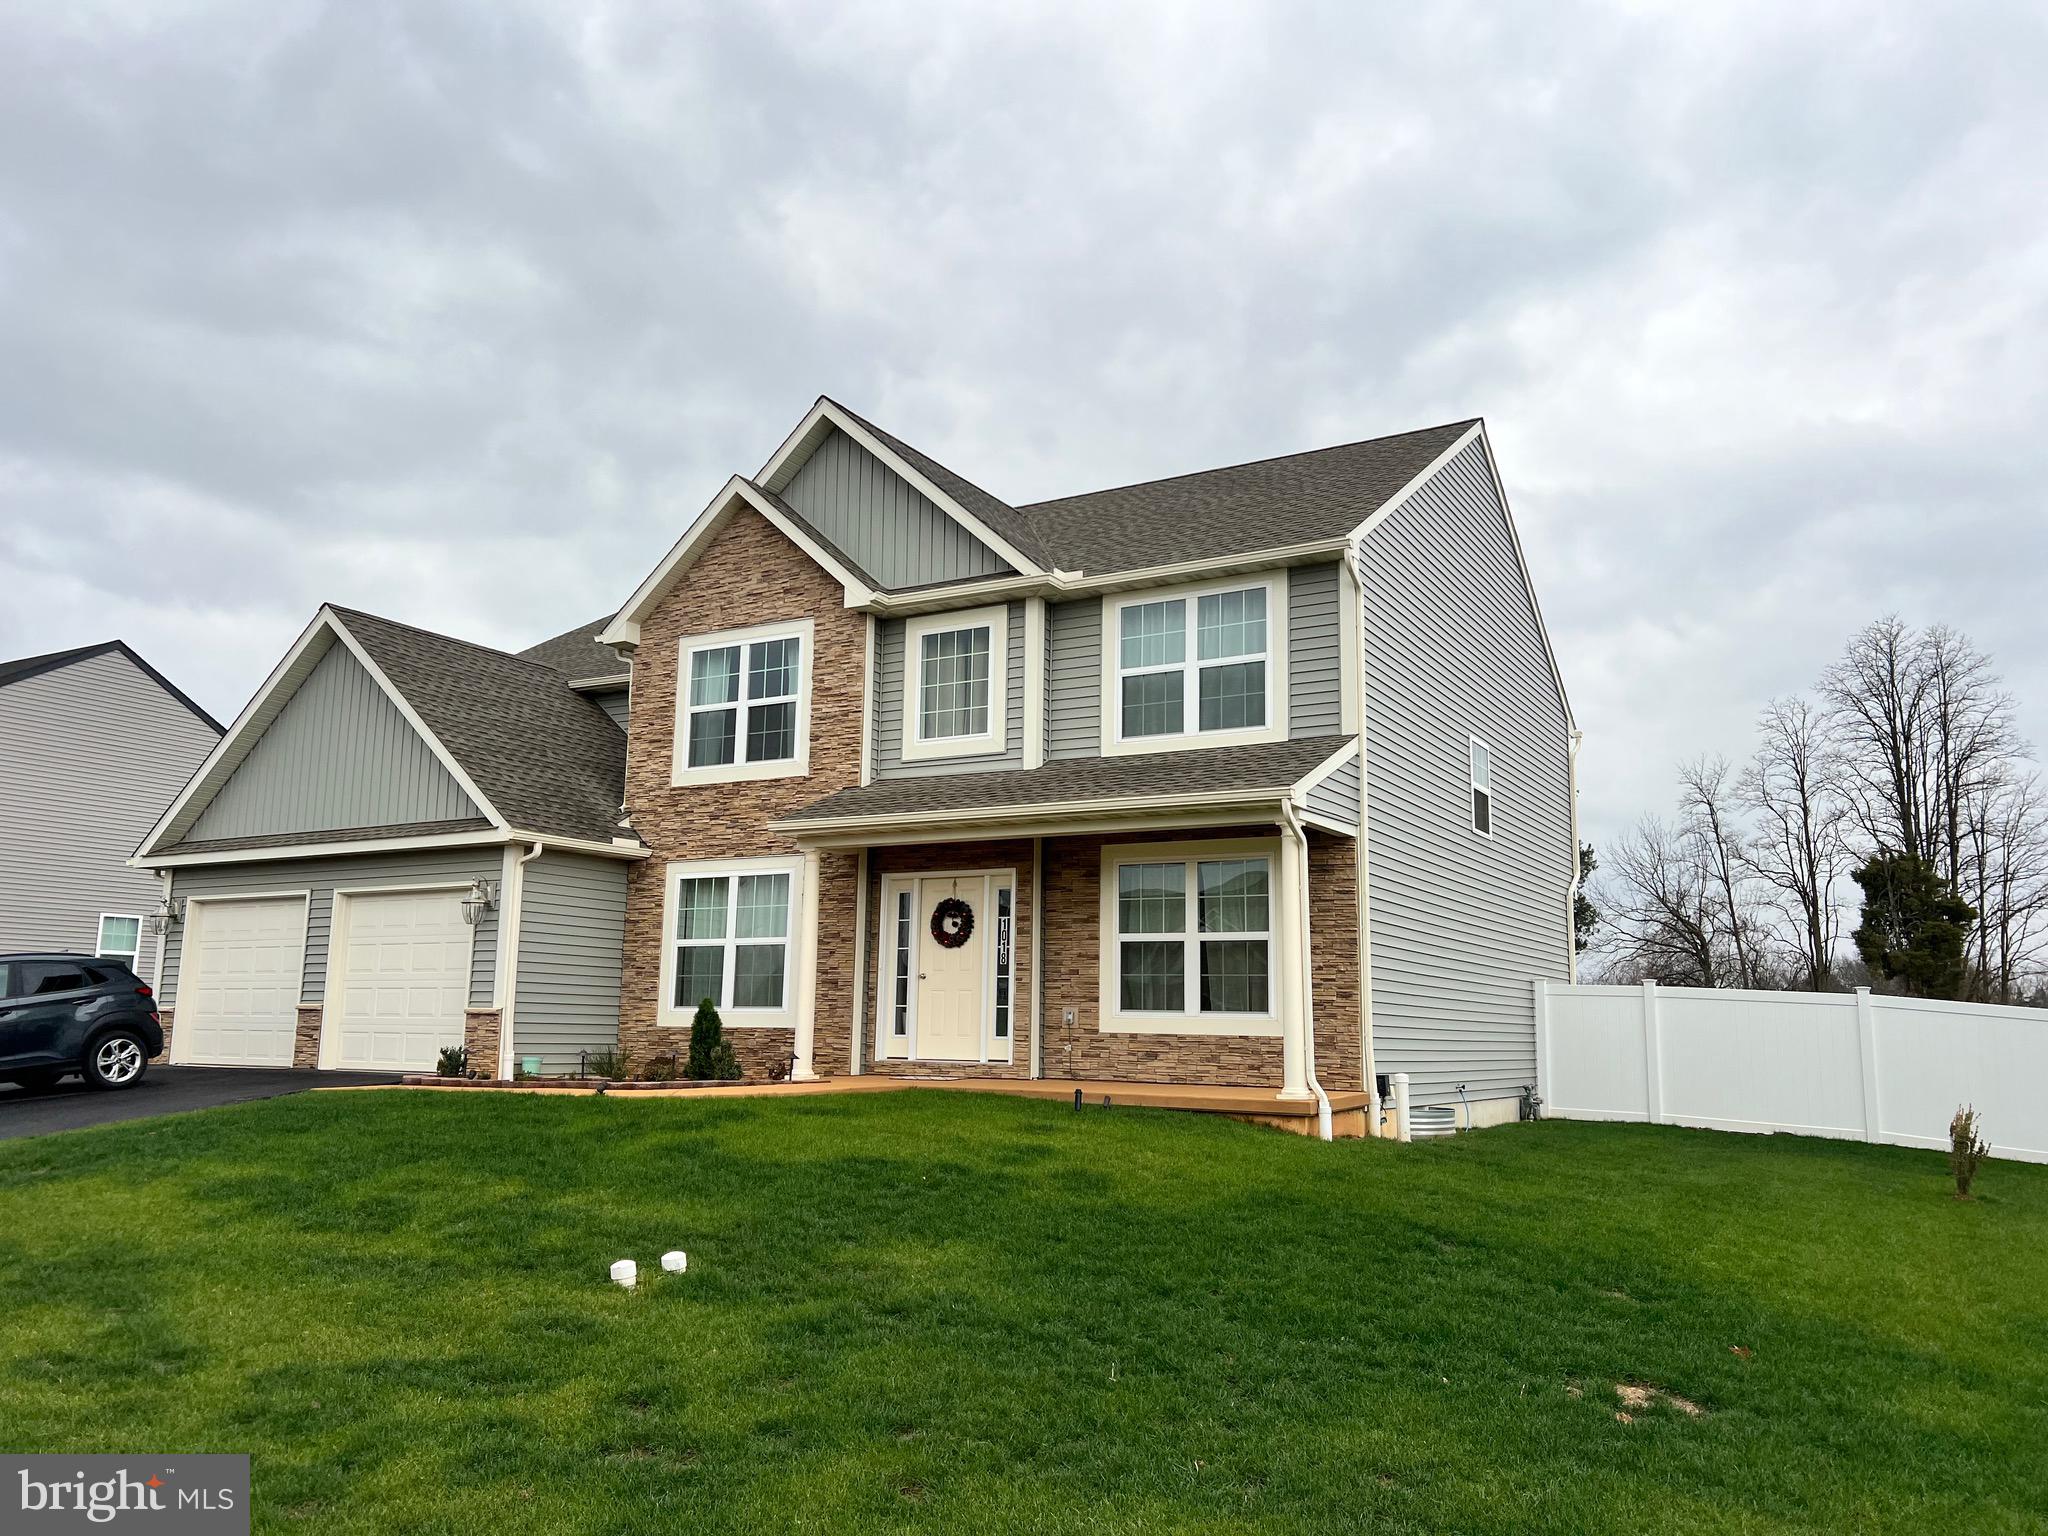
[(797, 826)]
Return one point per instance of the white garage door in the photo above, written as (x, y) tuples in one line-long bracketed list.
[(404, 980), (239, 996)]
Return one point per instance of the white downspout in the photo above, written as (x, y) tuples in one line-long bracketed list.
[(508, 942), (1037, 957), (1306, 970)]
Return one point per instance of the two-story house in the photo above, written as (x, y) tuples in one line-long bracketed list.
[(1258, 777)]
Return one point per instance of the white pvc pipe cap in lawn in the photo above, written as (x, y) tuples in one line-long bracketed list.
[(675, 1261), (626, 1272)]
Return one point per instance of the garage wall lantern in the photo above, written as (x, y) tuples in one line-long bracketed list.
[(480, 898), (166, 913)]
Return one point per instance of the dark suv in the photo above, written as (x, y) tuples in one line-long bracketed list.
[(65, 1013)]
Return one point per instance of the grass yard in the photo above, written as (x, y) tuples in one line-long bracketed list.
[(954, 1313)]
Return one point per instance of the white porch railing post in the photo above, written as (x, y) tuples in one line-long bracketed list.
[(1866, 1049), (1653, 1066), (1544, 1073)]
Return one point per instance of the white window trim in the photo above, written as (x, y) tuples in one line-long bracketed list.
[(983, 743), (739, 771), (1193, 737), (1115, 1020), (793, 979), (1473, 785), (99, 946)]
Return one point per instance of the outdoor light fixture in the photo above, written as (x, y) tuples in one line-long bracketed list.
[(479, 900), (165, 914)]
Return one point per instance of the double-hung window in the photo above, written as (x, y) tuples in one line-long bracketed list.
[(120, 938), (1197, 665), (728, 927), (1192, 934), (954, 683), (1481, 763), (743, 705)]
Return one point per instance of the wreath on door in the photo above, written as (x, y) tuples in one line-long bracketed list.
[(952, 923)]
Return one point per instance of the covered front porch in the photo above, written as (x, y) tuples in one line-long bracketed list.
[(1202, 945)]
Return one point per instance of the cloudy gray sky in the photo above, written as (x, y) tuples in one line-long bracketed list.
[(459, 312)]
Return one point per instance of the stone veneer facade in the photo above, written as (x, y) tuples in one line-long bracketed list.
[(306, 1042), (480, 1037), (749, 575)]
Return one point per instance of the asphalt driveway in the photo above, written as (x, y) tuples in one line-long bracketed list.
[(71, 1106)]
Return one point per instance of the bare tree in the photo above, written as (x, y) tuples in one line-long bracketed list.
[(1713, 839), (1969, 742), (2006, 840), (1659, 909), (1800, 850), (1876, 697)]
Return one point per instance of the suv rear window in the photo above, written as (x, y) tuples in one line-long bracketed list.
[(38, 978)]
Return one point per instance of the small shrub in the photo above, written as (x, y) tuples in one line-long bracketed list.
[(711, 1057), (611, 1064), (454, 1061), (662, 1069), (1966, 1148)]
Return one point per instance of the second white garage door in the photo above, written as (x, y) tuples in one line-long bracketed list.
[(403, 981)]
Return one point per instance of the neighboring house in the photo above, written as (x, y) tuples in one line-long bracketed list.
[(92, 742), (1258, 777)]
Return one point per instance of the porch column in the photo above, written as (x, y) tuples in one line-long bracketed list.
[(800, 1068), (1288, 947)]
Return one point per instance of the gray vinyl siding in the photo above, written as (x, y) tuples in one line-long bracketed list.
[(1073, 679), (1315, 668), (889, 762), (338, 755), (91, 753), (1336, 798), (323, 877), (572, 924), (1460, 923), (887, 527), (613, 702)]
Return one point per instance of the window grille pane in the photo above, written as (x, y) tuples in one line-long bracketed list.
[(119, 936), (1152, 704), (762, 909), (1155, 634), (900, 1023), (1233, 976), (1231, 624), (1152, 898), (953, 683), (1482, 767), (700, 973), (771, 732), (700, 908), (1153, 975), (711, 737), (771, 668), (1233, 696), (757, 975), (715, 676), (1231, 896)]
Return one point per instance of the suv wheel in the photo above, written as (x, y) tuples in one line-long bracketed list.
[(115, 1060)]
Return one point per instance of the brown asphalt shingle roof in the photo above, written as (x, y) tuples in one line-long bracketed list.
[(1241, 509), (576, 654), (1276, 765), (549, 759)]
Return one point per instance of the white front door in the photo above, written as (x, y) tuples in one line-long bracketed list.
[(403, 983), (238, 1003), (950, 975)]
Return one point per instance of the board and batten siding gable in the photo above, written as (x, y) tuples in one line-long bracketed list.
[(890, 529), (338, 755), (572, 926), (889, 763), (1315, 637), (90, 754), (1073, 679), (1460, 923), (443, 866)]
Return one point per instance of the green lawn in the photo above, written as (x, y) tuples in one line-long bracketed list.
[(955, 1313)]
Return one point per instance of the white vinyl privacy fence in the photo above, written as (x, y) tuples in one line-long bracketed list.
[(1869, 1068)]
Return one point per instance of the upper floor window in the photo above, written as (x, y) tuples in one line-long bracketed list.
[(1196, 664), (743, 704), (1482, 787), (955, 666)]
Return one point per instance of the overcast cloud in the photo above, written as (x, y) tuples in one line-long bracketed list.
[(458, 313)]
